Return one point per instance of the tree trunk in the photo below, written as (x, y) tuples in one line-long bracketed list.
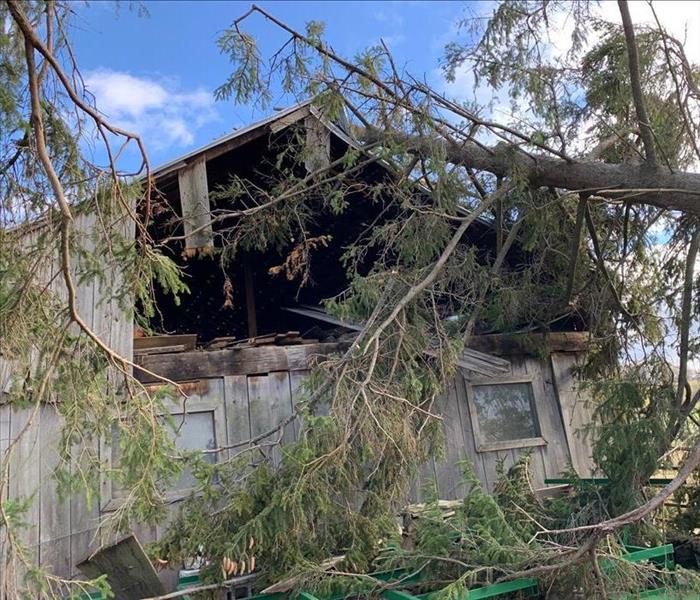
[(643, 184)]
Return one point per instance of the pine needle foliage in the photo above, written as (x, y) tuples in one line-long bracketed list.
[(416, 279)]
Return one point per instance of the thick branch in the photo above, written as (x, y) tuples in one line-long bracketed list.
[(635, 80), (686, 315), (656, 187)]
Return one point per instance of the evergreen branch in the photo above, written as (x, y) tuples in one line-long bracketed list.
[(636, 84)]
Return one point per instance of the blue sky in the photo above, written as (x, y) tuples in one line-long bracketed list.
[(156, 73)]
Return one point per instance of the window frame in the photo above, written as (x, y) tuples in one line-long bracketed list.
[(193, 404), (479, 442)]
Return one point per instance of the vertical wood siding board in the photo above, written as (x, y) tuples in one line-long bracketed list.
[(281, 387), (194, 200), (25, 473), (292, 404), (55, 525), (296, 382), (555, 452), (562, 453), (5, 433), (575, 411), (447, 471), (468, 431), (5, 428), (84, 520), (270, 401), (264, 410), (4, 444), (237, 410)]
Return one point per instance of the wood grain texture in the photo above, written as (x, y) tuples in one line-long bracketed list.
[(237, 411), (530, 344), (25, 474), (55, 524), (449, 477), (129, 572), (576, 411), (270, 403), (187, 366), (194, 199)]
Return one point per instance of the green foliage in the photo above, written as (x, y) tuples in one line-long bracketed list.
[(337, 489)]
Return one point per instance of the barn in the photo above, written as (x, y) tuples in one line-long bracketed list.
[(242, 355)]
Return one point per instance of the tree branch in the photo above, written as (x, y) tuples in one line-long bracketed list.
[(656, 187), (645, 131)]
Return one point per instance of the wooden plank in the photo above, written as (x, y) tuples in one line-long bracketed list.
[(129, 572), (317, 153), (576, 413), (5, 425), (194, 199), (323, 316), (188, 340), (162, 350), (449, 476), (187, 366), (25, 472), (84, 509), (55, 523), (237, 412), (557, 455), (285, 121), (270, 403), (531, 344), (298, 393), (485, 364), (468, 430), (249, 298)]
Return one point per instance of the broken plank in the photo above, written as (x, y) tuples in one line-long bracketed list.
[(129, 572), (186, 366), (194, 199), (188, 340), (322, 316), (161, 350), (531, 344)]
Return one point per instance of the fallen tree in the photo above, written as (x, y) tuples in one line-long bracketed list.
[(580, 183)]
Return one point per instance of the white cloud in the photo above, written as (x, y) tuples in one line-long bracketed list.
[(162, 113)]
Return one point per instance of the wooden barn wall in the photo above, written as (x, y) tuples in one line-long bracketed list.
[(59, 533), (547, 461), (63, 533)]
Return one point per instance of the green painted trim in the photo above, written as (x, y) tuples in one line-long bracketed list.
[(490, 591), (398, 595), (599, 481), (657, 552), (394, 574)]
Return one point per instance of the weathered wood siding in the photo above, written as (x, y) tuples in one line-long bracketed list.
[(63, 533), (547, 460), (60, 532)]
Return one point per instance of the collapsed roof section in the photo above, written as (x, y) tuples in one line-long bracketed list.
[(248, 297)]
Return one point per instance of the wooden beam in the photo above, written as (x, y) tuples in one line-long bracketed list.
[(250, 298), (318, 145), (129, 572), (186, 366), (532, 344), (194, 199), (188, 340)]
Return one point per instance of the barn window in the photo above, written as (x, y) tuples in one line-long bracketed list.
[(200, 427), (504, 415)]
